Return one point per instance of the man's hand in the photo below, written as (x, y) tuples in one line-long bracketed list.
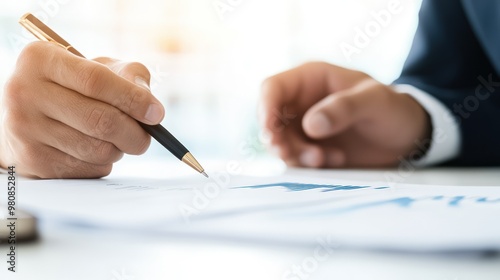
[(63, 116), (321, 115)]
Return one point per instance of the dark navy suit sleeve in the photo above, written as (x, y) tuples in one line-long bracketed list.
[(448, 61)]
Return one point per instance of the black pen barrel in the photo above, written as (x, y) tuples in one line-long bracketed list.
[(166, 139)]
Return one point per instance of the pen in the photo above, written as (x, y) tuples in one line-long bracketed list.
[(158, 132)]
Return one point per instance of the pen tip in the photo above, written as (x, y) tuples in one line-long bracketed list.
[(204, 174)]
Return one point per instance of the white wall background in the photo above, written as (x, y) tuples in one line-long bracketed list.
[(208, 57)]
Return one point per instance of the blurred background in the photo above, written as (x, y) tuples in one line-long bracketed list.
[(209, 57)]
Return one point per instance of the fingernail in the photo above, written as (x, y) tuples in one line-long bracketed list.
[(140, 81), (320, 123), (154, 113), (309, 158)]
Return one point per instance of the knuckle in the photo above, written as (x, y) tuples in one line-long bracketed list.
[(62, 166), (135, 69), (106, 153), (15, 125), (143, 146), (101, 122), (91, 78), (14, 119), (133, 100), (13, 93), (103, 60), (33, 53)]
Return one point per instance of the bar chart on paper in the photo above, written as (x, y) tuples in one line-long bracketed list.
[(421, 218), (291, 210), (402, 202)]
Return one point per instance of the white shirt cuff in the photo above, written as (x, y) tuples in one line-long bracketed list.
[(446, 141)]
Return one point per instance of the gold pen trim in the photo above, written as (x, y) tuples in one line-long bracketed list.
[(191, 161), (44, 33)]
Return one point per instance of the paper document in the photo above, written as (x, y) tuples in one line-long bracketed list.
[(285, 209)]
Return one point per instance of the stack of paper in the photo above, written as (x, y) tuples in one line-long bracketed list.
[(288, 210)]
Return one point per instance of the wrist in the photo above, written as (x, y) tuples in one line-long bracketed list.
[(421, 124), (444, 142)]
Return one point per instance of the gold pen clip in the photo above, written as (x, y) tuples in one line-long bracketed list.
[(44, 33)]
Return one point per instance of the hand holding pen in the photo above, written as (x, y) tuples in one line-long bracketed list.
[(69, 117)]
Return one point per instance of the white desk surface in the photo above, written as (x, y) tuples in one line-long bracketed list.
[(65, 252)]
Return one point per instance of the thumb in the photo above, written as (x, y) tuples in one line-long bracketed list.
[(337, 112)]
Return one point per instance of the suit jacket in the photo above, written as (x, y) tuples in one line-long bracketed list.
[(456, 58)]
